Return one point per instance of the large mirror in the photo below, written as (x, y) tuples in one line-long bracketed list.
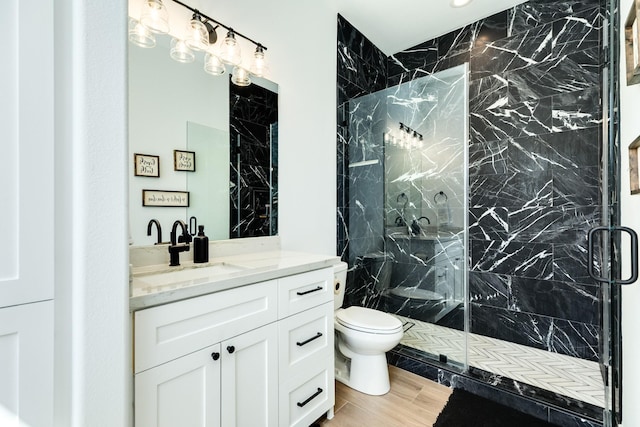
[(232, 131)]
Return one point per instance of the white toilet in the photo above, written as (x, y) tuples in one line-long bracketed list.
[(363, 336)]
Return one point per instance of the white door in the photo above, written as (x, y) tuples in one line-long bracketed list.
[(26, 213), (250, 378), (184, 392)]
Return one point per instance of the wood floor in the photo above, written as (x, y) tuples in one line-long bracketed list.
[(413, 401)]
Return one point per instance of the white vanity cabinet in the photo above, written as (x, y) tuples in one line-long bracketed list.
[(255, 355)]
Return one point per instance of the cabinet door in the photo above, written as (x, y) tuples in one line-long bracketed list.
[(184, 392), (250, 378), (26, 365)]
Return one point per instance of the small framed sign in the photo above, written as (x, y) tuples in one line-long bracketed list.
[(146, 165), (184, 160), (632, 44), (165, 198)]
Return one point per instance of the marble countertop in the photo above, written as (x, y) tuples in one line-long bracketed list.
[(154, 285)]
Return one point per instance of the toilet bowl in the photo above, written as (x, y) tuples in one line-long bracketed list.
[(363, 336)]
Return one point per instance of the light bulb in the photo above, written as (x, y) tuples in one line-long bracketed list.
[(154, 16), (181, 52), (240, 77), (259, 65), (140, 35), (460, 3), (213, 65), (230, 51), (197, 35)]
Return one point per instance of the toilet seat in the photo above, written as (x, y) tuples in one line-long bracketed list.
[(368, 320)]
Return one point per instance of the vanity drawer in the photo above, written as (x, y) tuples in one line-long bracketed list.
[(306, 341), (169, 331), (304, 291), (304, 400)]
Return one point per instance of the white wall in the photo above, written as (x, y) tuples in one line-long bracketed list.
[(92, 332), (630, 129)]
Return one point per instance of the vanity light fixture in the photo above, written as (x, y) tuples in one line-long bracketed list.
[(404, 138), (460, 3), (154, 16), (201, 36)]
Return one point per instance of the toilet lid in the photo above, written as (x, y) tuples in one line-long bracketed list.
[(368, 320)]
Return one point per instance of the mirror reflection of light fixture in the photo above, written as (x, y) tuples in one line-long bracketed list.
[(405, 137), (230, 51), (140, 35), (181, 52), (201, 35), (197, 34), (240, 76), (154, 16), (259, 64), (213, 65)]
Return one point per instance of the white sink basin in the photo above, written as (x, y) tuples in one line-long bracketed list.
[(188, 276)]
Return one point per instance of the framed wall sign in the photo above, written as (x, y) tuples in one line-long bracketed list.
[(184, 160), (165, 198), (146, 165), (632, 44)]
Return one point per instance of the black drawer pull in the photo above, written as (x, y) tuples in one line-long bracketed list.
[(215, 355), (313, 396), (319, 288), (318, 335), (231, 349)]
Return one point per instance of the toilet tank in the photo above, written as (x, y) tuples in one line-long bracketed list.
[(339, 283)]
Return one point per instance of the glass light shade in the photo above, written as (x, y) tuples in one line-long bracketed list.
[(181, 52), (140, 35), (197, 35), (230, 50), (213, 65), (154, 16), (240, 77), (460, 3), (259, 65)]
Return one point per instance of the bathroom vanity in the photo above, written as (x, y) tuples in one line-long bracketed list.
[(245, 340)]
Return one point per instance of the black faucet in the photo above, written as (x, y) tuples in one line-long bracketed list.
[(415, 225), (175, 248), (157, 223)]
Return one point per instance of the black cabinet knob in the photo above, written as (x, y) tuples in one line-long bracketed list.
[(215, 355), (231, 349)]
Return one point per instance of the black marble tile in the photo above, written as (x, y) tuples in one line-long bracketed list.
[(567, 73), (422, 56), (571, 262), (582, 147), (557, 335), (256, 112), (576, 187), (576, 110), (566, 419), (539, 12), (490, 29), (569, 301), (535, 224), (500, 122), (489, 223), (360, 73), (577, 32), (455, 42), (534, 154), (511, 190), (514, 53), (487, 93), (532, 260), (489, 289), (347, 90), (349, 37), (488, 158)]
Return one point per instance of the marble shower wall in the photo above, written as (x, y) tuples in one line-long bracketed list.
[(253, 125), (534, 118)]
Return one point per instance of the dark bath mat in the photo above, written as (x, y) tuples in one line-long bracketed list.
[(468, 410)]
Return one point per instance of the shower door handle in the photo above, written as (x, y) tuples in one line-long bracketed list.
[(634, 254)]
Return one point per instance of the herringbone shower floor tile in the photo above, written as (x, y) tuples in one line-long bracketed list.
[(568, 376)]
